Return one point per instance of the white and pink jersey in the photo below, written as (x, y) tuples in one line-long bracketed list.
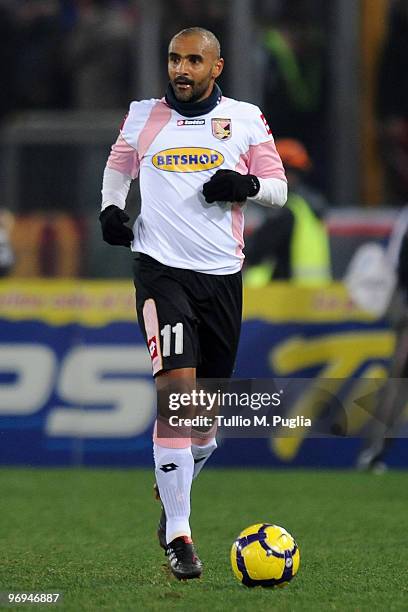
[(173, 157)]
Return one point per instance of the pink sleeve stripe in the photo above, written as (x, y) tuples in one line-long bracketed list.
[(264, 161), (237, 219), (157, 120), (237, 216), (123, 158), (243, 163)]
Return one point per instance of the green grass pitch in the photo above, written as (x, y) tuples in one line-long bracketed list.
[(91, 535)]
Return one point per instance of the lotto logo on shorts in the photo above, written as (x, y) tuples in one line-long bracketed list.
[(264, 121), (152, 346), (187, 159)]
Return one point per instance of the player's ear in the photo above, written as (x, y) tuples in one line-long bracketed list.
[(218, 67)]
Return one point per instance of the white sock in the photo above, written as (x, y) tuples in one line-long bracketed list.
[(201, 454), (174, 474)]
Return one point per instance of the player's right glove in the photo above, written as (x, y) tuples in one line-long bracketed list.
[(114, 231)]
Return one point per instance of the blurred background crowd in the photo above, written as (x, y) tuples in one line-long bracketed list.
[(330, 76)]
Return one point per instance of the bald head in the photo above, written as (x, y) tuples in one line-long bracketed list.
[(210, 41), (194, 63)]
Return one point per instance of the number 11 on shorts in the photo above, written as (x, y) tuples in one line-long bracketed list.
[(165, 332)]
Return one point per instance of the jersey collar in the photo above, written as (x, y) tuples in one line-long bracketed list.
[(194, 109)]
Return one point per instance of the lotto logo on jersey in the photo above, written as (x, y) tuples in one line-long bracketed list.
[(187, 159), (181, 122), (152, 346)]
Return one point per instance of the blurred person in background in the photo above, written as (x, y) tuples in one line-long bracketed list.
[(40, 81), (393, 397), (392, 103), (292, 243), (6, 250), (295, 77), (392, 112), (8, 54), (98, 55), (188, 243)]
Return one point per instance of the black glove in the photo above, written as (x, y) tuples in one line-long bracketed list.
[(230, 186), (113, 229)]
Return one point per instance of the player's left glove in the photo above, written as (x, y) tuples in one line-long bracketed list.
[(230, 186)]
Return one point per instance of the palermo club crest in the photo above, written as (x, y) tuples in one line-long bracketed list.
[(221, 128)]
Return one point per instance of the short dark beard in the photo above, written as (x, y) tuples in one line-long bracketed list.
[(195, 94)]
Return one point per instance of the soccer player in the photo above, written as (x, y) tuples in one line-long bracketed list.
[(199, 157)]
